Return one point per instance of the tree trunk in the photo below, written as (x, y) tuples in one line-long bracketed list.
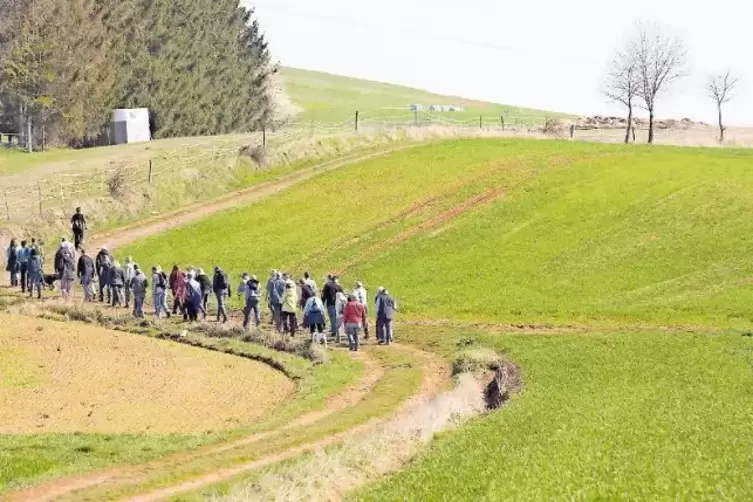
[(651, 127), (29, 139), (629, 123), (721, 125)]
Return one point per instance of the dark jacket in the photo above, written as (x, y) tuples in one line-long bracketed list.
[(117, 277), (103, 257), (278, 292), (204, 283), (220, 282), (329, 293), (385, 307), (85, 267), (59, 262)]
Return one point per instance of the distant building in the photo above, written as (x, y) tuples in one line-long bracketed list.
[(130, 126)]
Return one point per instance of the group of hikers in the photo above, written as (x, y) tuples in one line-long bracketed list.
[(104, 279)]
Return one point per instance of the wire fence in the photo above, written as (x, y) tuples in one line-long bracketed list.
[(41, 198)]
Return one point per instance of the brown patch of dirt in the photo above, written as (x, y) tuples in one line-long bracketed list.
[(66, 378), (436, 372), (66, 486), (158, 224)]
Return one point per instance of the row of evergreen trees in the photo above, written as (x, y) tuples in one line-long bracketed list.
[(201, 67)]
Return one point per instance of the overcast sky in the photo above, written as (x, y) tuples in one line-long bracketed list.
[(546, 54)]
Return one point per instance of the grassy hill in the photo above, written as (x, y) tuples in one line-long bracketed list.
[(633, 247), (334, 99)]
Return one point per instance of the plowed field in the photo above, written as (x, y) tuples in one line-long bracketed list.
[(65, 378)]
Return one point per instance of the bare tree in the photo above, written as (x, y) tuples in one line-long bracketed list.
[(660, 61), (720, 88), (621, 84)]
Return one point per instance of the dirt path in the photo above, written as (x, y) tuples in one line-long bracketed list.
[(373, 371), (436, 373), (160, 223)]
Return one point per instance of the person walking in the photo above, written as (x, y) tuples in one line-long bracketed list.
[(68, 269), (221, 287), (379, 293), (159, 287), (193, 297), (117, 283), (85, 271), (59, 257), (138, 286), (102, 263), (175, 277), (306, 292), (311, 282), (353, 315), (290, 309), (206, 288), (36, 273), (363, 298), (313, 317), (11, 262), (180, 294), (386, 306), (128, 273), (278, 292), (78, 225), (22, 263), (251, 304), (340, 302), (268, 293), (329, 298)]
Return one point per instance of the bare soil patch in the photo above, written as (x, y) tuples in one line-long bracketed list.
[(65, 378)]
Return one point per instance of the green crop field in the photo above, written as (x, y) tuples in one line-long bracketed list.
[(326, 98), (627, 249)]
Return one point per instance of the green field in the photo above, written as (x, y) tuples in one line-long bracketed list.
[(631, 247), (327, 98), (519, 231)]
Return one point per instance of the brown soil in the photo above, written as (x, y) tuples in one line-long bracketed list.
[(65, 378)]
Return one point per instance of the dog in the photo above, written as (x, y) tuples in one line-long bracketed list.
[(49, 281)]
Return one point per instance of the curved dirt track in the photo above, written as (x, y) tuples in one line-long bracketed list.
[(160, 223)]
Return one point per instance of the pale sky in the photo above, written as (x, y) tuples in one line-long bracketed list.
[(547, 54)]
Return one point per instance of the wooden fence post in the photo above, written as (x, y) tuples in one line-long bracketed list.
[(481, 122), (39, 191), (503, 122), (264, 136), (150, 171), (7, 206), (357, 120)]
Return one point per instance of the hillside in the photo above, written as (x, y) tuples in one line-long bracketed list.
[(333, 99), (542, 232)]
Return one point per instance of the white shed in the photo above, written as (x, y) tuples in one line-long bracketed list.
[(130, 126)]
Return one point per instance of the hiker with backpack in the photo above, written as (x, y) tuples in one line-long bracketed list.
[(85, 271), (363, 298), (78, 225), (307, 291), (205, 286), (353, 315), (128, 273), (386, 306), (36, 273), (117, 282), (290, 309), (23, 254), (221, 287), (313, 317), (329, 298), (194, 297), (159, 287), (278, 292), (138, 286), (175, 278), (102, 263), (67, 273), (251, 301), (269, 292), (11, 262)]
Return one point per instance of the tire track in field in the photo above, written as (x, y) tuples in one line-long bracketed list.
[(67, 487), (475, 202), (436, 373), (256, 193)]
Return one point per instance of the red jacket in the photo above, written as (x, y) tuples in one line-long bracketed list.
[(353, 313)]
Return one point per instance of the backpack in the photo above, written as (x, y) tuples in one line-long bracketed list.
[(315, 308), (78, 223), (307, 291), (161, 281)]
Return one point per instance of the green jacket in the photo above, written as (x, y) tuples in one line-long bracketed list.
[(290, 300)]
